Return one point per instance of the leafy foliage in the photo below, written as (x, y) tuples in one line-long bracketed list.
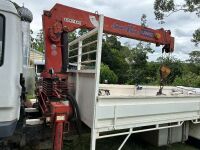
[(164, 8), (72, 36), (113, 56), (138, 59), (107, 75), (38, 42), (138, 63), (152, 72), (194, 57), (189, 79), (196, 37)]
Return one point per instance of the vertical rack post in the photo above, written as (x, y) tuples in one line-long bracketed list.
[(79, 55), (78, 67), (97, 79)]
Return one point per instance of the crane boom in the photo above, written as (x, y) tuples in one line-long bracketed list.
[(66, 19)]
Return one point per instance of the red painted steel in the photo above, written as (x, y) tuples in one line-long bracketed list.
[(63, 18), (60, 113), (58, 136), (59, 109)]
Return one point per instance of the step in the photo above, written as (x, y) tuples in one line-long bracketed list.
[(34, 122), (31, 110)]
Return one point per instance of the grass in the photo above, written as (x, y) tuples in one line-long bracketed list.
[(83, 143)]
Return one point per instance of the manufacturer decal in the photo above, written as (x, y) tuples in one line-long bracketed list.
[(72, 21), (129, 29), (147, 33)]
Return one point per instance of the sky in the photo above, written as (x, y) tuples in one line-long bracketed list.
[(182, 25)]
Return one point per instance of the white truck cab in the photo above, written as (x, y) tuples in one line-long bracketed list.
[(10, 67), (11, 57)]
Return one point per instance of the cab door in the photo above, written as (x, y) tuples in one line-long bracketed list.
[(10, 67)]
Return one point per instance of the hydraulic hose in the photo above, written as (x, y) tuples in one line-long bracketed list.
[(76, 112), (64, 49)]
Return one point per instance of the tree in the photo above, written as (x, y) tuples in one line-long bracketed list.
[(194, 63), (142, 45), (189, 79), (152, 72), (31, 37), (194, 57), (191, 67), (72, 36), (196, 37), (38, 42), (113, 42), (113, 56), (138, 59), (164, 8), (82, 31), (138, 63), (107, 75)]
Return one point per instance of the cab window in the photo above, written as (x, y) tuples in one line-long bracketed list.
[(2, 32)]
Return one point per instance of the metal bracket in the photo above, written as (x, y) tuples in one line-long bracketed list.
[(135, 130), (127, 137), (196, 121)]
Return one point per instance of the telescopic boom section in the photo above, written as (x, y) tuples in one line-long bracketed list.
[(66, 19)]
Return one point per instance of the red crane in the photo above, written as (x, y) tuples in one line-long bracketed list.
[(62, 19), (53, 89)]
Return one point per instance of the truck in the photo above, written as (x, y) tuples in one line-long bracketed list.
[(68, 90)]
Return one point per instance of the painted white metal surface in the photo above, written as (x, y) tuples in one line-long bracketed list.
[(7, 6), (126, 107), (10, 88), (85, 79), (26, 43), (194, 131), (119, 90), (97, 79), (31, 110), (167, 136), (126, 112), (33, 122)]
